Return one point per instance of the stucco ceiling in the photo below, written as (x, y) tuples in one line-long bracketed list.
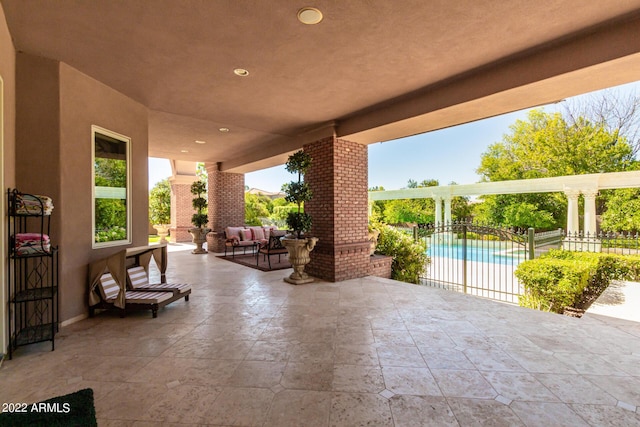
[(372, 70)]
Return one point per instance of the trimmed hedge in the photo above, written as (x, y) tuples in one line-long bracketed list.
[(562, 279), (409, 257)]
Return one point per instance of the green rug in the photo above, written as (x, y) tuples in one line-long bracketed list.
[(75, 409)]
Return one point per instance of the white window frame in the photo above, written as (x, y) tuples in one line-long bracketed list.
[(127, 241)]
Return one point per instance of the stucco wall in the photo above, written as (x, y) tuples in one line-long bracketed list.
[(7, 71), (7, 155), (86, 102), (56, 107)]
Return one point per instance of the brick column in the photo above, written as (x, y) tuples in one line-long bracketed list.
[(338, 179), (226, 203), (181, 207)]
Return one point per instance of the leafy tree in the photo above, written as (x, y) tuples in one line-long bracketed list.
[(110, 214), (547, 145), (409, 211), (428, 183), (523, 215), (460, 207), (281, 210), (416, 210), (623, 212), (255, 208), (617, 112), (160, 203), (110, 172)]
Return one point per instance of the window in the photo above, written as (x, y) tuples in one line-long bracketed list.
[(111, 201)]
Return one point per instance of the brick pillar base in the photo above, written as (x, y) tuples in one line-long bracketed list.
[(339, 209), (226, 204), (381, 266)]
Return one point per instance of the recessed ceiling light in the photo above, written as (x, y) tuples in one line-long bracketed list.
[(184, 151), (241, 72), (309, 15), (200, 142), (224, 129)]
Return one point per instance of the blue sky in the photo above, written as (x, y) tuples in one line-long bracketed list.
[(447, 155)]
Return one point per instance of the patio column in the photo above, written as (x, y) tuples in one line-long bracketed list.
[(338, 179), (225, 193), (438, 219), (590, 212), (573, 221), (181, 207), (447, 210)]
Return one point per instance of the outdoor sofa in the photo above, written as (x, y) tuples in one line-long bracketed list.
[(250, 237)]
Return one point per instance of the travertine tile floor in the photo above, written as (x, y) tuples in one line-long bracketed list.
[(252, 350)]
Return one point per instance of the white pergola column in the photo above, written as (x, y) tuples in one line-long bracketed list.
[(438, 219), (590, 212), (573, 219), (447, 210)]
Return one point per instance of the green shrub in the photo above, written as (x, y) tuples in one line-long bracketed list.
[(409, 256), (112, 234), (562, 279), (552, 284)]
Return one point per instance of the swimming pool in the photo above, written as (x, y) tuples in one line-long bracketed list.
[(492, 252)]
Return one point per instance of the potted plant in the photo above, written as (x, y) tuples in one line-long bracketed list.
[(160, 208), (200, 218), (374, 233), (298, 222)]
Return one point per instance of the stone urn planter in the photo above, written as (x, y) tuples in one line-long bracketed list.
[(163, 231), (373, 241), (199, 236), (299, 257)]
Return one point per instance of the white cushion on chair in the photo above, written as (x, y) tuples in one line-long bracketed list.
[(108, 287), (138, 277)]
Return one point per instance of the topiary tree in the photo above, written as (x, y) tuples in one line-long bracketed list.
[(298, 192), (200, 218)]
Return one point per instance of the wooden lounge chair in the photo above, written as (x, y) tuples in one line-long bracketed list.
[(139, 281), (133, 300)]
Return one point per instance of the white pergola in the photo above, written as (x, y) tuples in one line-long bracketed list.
[(573, 185)]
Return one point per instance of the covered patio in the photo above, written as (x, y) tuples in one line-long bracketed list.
[(250, 350)]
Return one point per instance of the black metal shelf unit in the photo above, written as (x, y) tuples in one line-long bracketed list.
[(32, 271)]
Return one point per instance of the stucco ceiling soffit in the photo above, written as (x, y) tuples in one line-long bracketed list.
[(183, 168), (273, 153), (275, 148), (379, 70), (542, 62)]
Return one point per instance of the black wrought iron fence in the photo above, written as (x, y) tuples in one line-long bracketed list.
[(480, 259), (475, 259), (608, 242)]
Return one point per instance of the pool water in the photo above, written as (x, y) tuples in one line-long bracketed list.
[(480, 251)]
